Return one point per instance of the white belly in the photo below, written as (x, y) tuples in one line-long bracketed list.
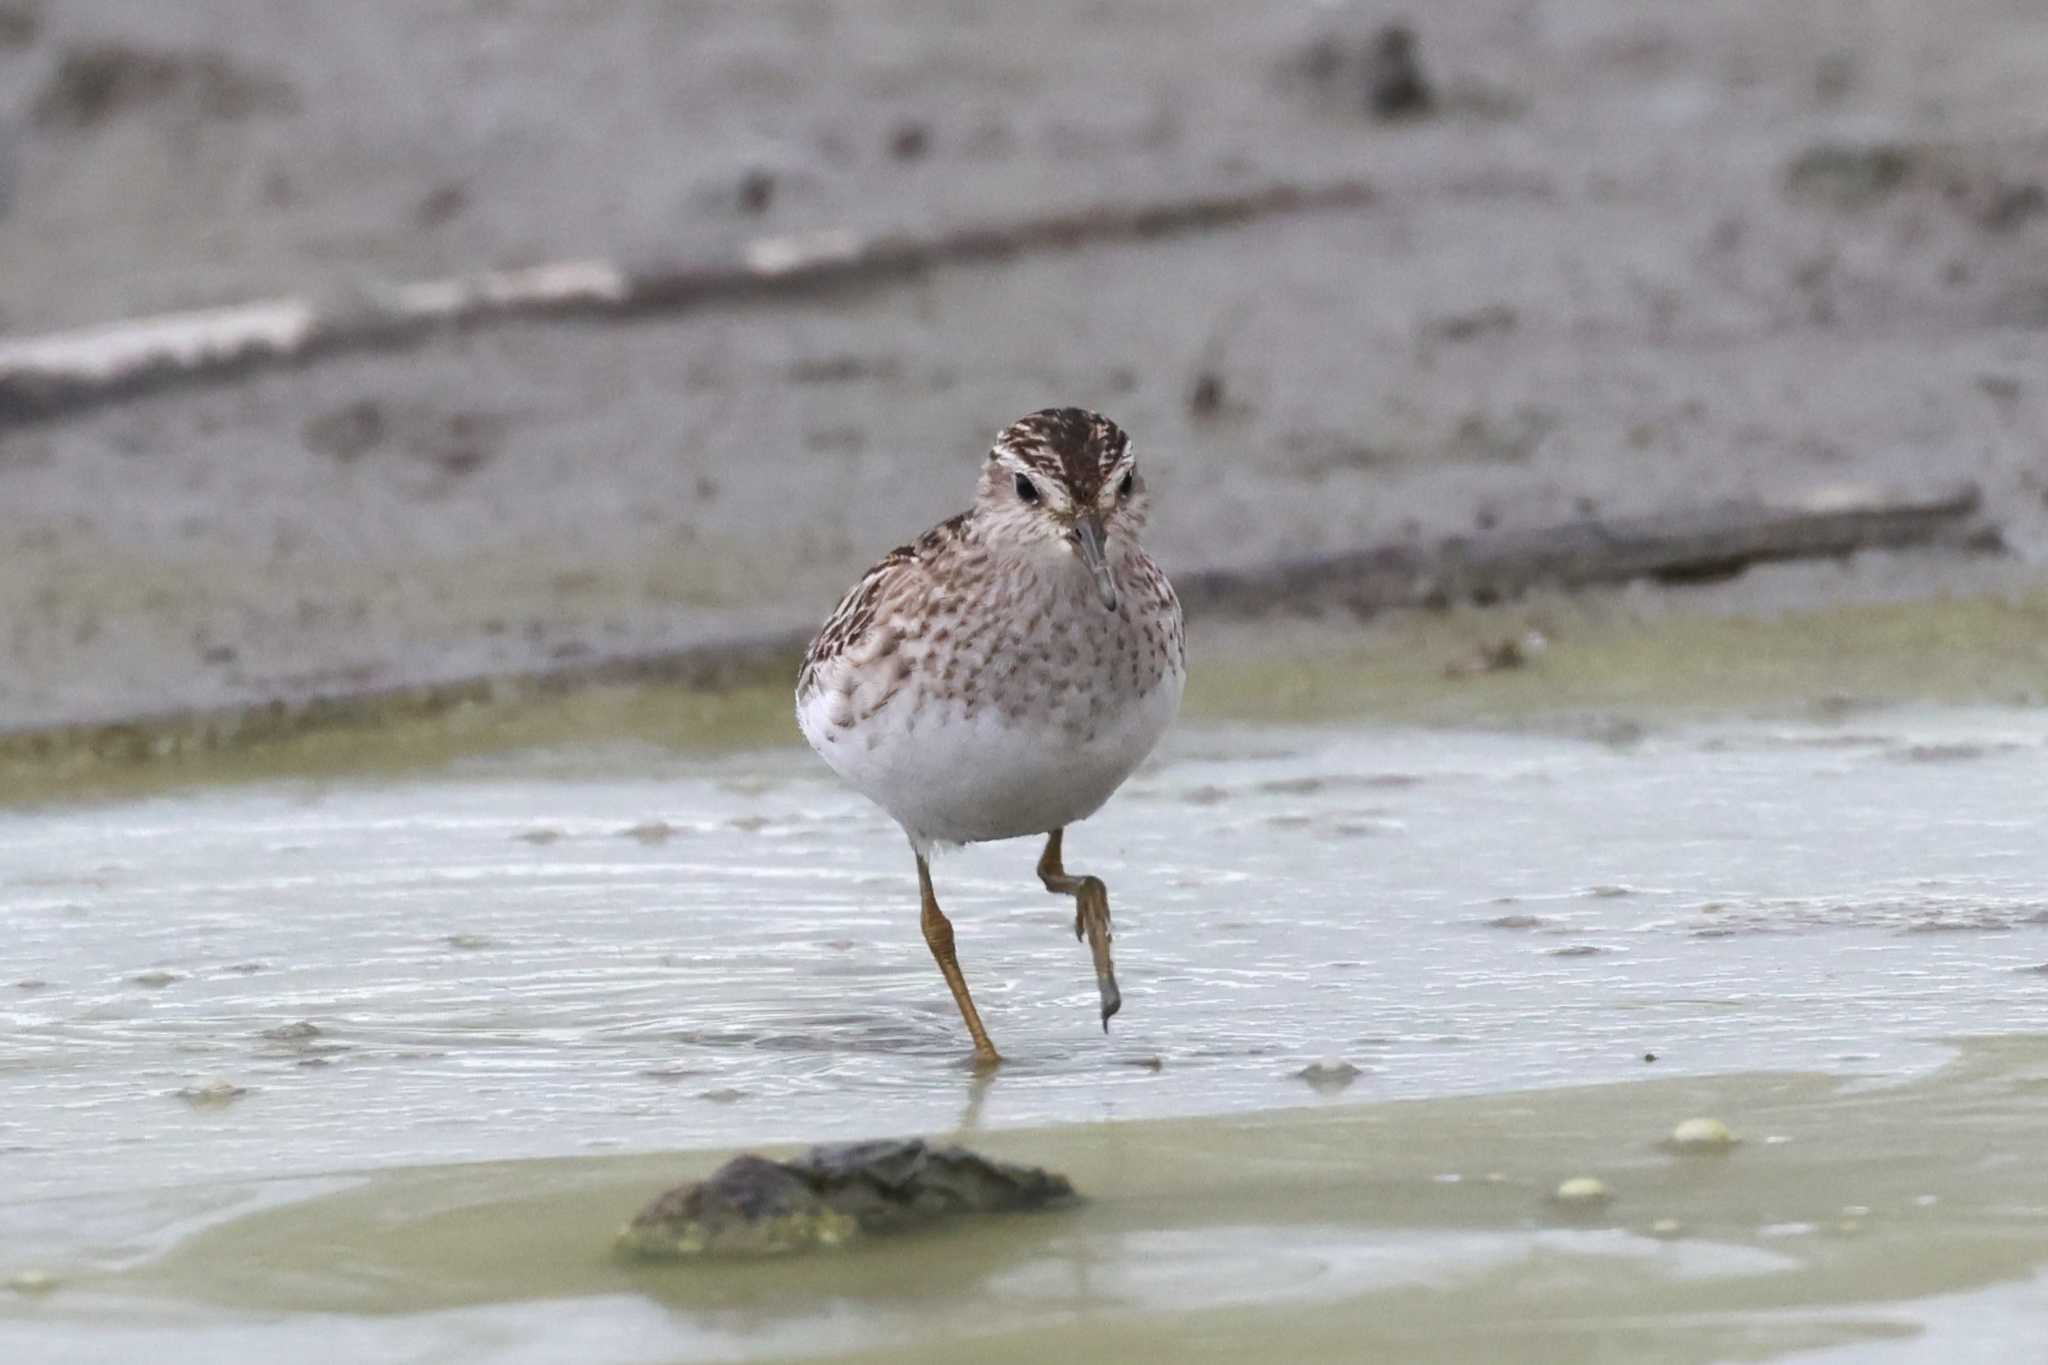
[(949, 777)]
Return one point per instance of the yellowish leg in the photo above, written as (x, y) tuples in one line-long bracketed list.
[(938, 932), (1091, 918)]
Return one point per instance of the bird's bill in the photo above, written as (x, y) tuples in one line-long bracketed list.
[(1088, 543)]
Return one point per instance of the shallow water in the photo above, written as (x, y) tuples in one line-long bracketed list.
[(570, 956)]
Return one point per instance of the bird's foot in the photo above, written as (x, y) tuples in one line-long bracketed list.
[(1091, 922)]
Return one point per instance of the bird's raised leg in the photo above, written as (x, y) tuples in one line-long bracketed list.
[(938, 932), (1091, 918)]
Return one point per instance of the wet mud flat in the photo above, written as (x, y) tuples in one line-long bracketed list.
[(1850, 1222), (449, 1027)]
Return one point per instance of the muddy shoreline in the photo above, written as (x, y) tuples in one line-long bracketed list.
[(1611, 664), (1704, 544)]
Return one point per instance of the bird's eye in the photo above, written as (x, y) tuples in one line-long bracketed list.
[(1128, 484), (1027, 491)]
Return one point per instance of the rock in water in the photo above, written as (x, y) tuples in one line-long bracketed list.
[(752, 1206)]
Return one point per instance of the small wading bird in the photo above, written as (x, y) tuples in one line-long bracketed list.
[(1004, 673)]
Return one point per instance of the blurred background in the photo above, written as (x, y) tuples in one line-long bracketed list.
[(1606, 257)]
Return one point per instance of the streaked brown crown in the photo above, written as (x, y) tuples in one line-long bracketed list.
[(1078, 447)]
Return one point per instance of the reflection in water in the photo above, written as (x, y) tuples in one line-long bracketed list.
[(977, 1095)]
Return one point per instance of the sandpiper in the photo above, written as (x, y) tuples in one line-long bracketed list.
[(1001, 675)]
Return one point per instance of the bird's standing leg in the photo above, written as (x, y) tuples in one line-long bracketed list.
[(938, 932), (1091, 918)]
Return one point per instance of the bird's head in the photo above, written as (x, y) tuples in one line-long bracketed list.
[(1064, 481)]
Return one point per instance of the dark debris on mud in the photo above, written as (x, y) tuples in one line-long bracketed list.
[(831, 1196)]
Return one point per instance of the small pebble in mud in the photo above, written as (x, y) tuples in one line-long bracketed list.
[(1499, 656), (1616, 732), (2001, 387), (1515, 922), (156, 979), (346, 432), (20, 22), (1701, 1136), (467, 942), (910, 141), (30, 983), (1577, 950), (1462, 327), (32, 1281), (1834, 76), (756, 192), (724, 1096), (1205, 399), (1583, 1192), (1146, 1063), (297, 1032), (1323, 59), (538, 836), (212, 1094), (1649, 1056), (1394, 84), (1848, 175), (1330, 1074), (650, 832), (442, 204)]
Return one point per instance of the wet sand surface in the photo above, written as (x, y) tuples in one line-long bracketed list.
[(334, 988)]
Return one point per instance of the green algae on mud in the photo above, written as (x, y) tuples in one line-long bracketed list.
[(386, 734), (1598, 656), (1402, 1229)]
